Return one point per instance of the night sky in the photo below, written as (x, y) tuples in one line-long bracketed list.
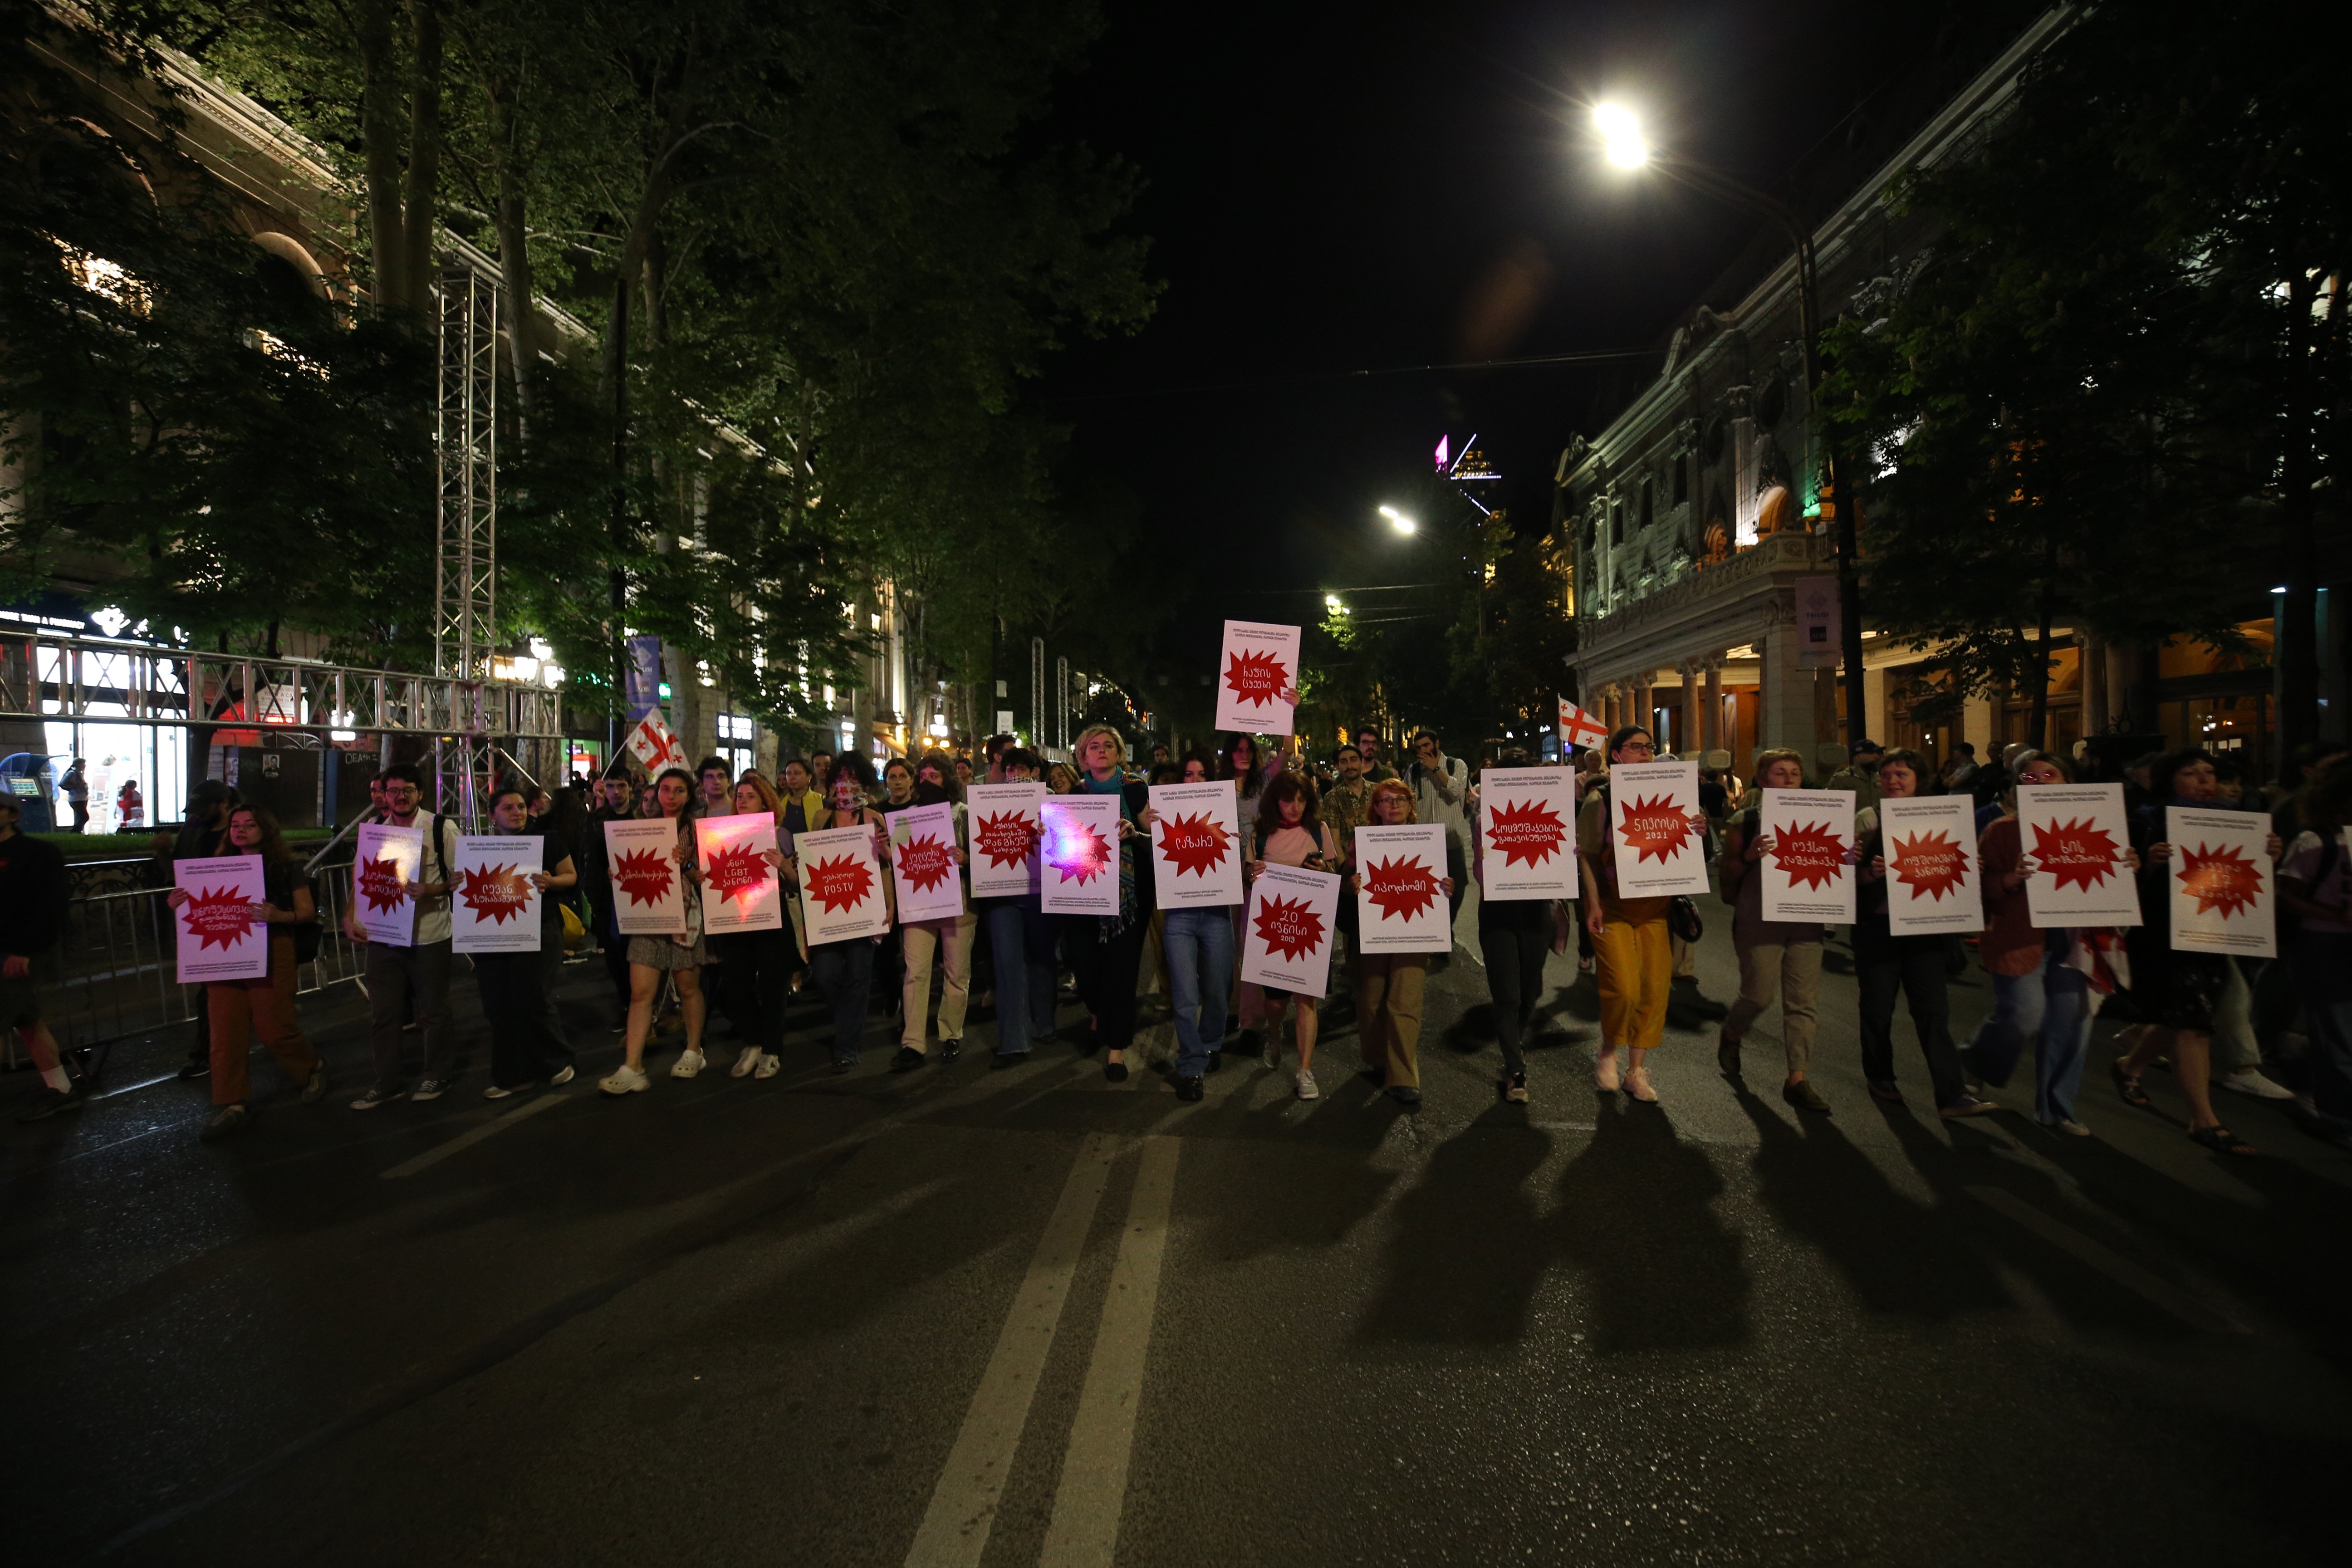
[(1338, 189)]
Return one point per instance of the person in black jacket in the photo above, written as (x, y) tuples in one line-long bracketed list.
[(1107, 950), (618, 803), (32, 927)]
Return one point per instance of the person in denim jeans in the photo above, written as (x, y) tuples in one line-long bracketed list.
[(1020, 944), (1200, 946)]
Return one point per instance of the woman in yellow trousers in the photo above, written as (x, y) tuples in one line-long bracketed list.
[(1633, 953)]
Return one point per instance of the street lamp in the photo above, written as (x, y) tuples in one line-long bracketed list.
[(1397, 520), (1623, 146)]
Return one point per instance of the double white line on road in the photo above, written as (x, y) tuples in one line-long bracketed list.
[(1092, 1493)]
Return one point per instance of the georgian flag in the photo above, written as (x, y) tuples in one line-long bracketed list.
[(652, 744), (1577, 728)]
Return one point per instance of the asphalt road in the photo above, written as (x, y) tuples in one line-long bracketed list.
[(965, 1317)]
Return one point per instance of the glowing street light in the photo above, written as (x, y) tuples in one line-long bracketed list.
[(1397, 520), (1621, 135), (1333, 603)]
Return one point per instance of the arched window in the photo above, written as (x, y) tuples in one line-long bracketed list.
[(305, 267)]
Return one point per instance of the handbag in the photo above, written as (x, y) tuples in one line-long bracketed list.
[(1682, 918)]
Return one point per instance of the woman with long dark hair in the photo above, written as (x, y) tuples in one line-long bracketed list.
[(238, 1010), (934, 784), (755, 967), (680, 957), (1289, 834), (843, 970), (528, 1044)]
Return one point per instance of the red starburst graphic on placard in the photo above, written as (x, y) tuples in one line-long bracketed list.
[(839, 886), (1003, 840), (1288, 927), (1193, 844), (1400, 889), (1077, 852), (925, 863), (2074, 852), (2222, 879), (217, 917), (1810, 856), (1528, 832), (1929, 864), (644, 875), (496, 892), (381, 884), (1256, 678), (737, 872), (1656, 829)]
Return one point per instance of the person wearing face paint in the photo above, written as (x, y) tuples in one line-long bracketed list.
[(1783, 956), (527, 1045), (2047, 985), (950, 940), (680, 957), (842, 971), (1918, 966), (243, 1010)]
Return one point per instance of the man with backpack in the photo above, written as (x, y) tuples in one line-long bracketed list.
[(413, 979)]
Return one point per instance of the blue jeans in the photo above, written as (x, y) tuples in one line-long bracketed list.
[(1022, 938), (844, 972), (1199, 943), (2051, 1006)]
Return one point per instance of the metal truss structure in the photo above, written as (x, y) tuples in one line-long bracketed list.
[(466, 570)]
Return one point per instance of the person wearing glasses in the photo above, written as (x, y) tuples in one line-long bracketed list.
[(1633, 951), (1441, 793)]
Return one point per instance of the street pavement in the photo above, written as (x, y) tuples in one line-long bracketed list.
[(974, 1317)]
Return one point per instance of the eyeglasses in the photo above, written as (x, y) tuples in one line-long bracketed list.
[(1638, 746)]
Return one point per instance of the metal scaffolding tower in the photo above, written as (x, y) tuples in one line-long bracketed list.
[(466, 567)]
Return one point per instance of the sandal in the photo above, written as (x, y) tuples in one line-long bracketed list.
[(2127, 1085), (2222, 1141), (1604, 1073)]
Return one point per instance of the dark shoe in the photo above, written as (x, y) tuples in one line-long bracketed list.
[(840, 1067), (314, 1088), (1216, 1060), (1404, 1094), (1801, 1094), (430, 1088), (2222, 1141), (1189, 1088), (1882, 1089), (1726, 1056), (950, 1050), (228, 1118), (197, 1069), (1115, 1072), (376, 1097), (908, 1060), (998, 1060), (2127, 1085), (54, 1100)]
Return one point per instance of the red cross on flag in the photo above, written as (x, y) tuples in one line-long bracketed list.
[(652, 744), (1577, 728)]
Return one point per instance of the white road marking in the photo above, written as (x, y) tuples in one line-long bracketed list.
[(2109, 1262), (955, 1526), (1092, 1496), (466, 1140)]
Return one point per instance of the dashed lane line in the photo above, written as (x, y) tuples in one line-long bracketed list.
[(466, 1140)]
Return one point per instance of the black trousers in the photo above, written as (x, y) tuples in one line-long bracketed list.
[(1916, 966), (1107, 972), (754, 967), (525, 1045), (1511, 939)]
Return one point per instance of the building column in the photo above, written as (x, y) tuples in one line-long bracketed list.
[(1693, 739), (1784, 693), (1608, 705), (1642, 703), (2094, 663), (1712, 738)]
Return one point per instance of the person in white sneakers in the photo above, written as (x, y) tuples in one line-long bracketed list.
[(1288, 834), (681, 957), (412, 981)]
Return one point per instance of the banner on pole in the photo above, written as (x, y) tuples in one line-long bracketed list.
[(494, 907), (649, 893), (2221, 878), (1257, 678), (1286, 936), (1196, 851), (2074, 836), (741, 890), (1401, 904), (220, 939), (1005, 833), (1079, 855), (1809, 870), (1527, 834), (1660, 844), (383, 869), (1934, 880)]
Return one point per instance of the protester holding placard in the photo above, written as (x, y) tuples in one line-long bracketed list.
[(1196, 835), (842, 971), (755, 964), (2315, 886), (239, 1011), (2047, 984), (1632, 949), (1919, 966), (617, 802), (1248, 768), (528, 1042), (32, 932), (679, 955), (1516, 933), (1288, 834), (1107, 950), (1001, 835), (2174, 993), (1775, 956), (939, 862), (1389, 984), (410, 982)]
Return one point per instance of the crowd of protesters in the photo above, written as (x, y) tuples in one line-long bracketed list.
[(2281, 1030)]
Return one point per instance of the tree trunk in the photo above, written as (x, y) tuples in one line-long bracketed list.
[(380, 152), (2297, 650), (424, 177), (514, 251)]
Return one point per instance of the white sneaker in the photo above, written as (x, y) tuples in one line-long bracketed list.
[(687, 1065), (563, 1077), (750, 1059), (1306, 1089), (495, 1092), (626, 1079), (769, 1066), (2249, 1080)]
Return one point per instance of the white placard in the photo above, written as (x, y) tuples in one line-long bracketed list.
[(219, 937), (1527, 833), (648, 892), (383, 867), (1658, 850), (1934, 883), (493, 907), (1809, 870), (1196, 846), (741, 890), (841, 885), (1001, 821), (1079, 856), (1257, 678), (2075, 837), (1400, 905), (1286, 936), (923, 868), (2220, 879)]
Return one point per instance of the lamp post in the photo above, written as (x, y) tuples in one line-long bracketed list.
[(1624, 146)]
